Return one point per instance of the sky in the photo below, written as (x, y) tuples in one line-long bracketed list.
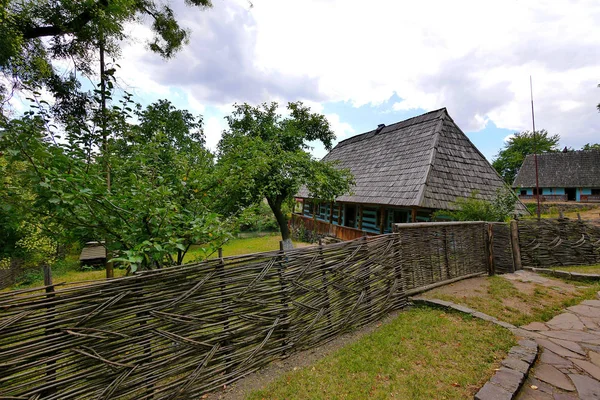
[(363, 63)]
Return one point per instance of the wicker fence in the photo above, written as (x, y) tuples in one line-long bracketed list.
[(184, 331), (557, 242)]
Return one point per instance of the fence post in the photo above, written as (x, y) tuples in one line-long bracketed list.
[(226, 342), (325, 283), (367, 269), (446, 258), (490, 249), (50, 365), (516, 247), (284, 298)]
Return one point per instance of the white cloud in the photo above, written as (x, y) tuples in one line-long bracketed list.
[(473, 57), (213, 129), (507, 138), (341, 129)]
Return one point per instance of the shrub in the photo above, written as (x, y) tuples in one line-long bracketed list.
[(473, 208)]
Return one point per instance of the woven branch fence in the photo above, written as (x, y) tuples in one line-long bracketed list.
[(559, 242), (184, 331)]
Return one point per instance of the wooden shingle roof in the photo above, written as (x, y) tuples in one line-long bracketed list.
[(425, 161), (92, 251), (570, 169)]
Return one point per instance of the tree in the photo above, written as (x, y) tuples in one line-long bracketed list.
[(590, 146), (157, 206), (511, 157), (36, 34), (265, 156)]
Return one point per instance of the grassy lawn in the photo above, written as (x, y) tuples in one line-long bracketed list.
[(523, 303), (584, 269), (68, 270), (422, 354), (241, 246)]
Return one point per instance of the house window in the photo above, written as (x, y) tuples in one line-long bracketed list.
[(523, 192), (595, 192)]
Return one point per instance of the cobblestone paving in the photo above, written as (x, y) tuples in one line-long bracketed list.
[(569, 365)]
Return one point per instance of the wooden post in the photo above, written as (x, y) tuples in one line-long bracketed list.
[(50, 365), (490, 249), (331, 213), (446, 258), (226, 312), (414, 215), (284, 299), (360, 216), (382, 219), (516, 247), (339, 214), (325, 283)]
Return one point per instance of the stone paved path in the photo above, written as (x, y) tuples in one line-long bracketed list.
[(569, 364)]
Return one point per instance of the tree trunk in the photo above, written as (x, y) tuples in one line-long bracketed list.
[(275, 205)]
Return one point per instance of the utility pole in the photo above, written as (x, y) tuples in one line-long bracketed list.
[(537, 183)]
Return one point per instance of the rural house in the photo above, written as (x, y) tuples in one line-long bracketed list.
[(568, 176), (403, 173)]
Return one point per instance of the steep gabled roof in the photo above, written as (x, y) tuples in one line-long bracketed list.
[(425, 161), (570, 169)]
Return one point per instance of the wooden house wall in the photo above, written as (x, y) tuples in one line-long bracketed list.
[(371, 215), (559, 194)]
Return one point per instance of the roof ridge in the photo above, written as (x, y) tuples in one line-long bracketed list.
[(436, 139), (442, 111)]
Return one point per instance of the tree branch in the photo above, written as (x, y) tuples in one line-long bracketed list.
[(73, 26)]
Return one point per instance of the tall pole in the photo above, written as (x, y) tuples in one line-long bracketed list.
[(109, 265), (537, 183)]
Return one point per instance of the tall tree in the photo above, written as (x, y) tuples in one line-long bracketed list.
[(511, 157), (35, 34), (157, 207), (265, 156)]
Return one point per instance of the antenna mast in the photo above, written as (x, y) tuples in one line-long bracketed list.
[(537, 183)]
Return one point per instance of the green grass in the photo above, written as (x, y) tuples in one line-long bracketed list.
[(241, 246), (505, 302), (422, 354), (69, 270), (583, 269)]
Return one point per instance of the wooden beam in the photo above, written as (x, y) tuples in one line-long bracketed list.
[(414, 215), (331, 212), (360, 216), (381, 219), (340, 214), (516, 248)]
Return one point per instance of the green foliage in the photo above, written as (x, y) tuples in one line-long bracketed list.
[(35, 34), (265, 156), (257, 218), (160, 172), (590, 146), (511, 157), (473, 208)]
